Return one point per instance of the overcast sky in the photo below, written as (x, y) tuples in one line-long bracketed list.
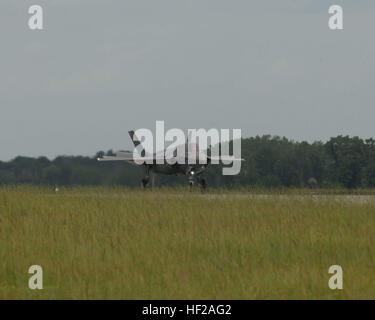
[(102, 67)]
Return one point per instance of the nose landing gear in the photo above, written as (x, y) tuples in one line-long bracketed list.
[(191, 180)]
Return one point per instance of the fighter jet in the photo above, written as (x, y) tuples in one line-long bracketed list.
[(191, 169)]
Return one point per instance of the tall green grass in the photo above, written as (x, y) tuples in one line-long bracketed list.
[(116, 243)]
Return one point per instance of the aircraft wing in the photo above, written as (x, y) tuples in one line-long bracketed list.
[(227, 159), (129, 157), (126, 156)]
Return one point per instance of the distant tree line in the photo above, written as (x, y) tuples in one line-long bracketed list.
[(342, 162)]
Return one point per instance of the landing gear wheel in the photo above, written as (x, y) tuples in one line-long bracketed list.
[(203, 184), (145, 183)]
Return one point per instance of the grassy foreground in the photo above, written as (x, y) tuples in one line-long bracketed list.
[(102, 243)]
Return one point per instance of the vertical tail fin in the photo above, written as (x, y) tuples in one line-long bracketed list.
[(134, 138), (136, 143)]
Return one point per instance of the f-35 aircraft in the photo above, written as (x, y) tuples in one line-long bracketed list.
[(185, 168)]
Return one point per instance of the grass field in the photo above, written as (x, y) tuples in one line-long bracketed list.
[(117, 243)]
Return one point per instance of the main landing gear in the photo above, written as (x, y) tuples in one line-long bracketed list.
[(202, 183), (146, 180)]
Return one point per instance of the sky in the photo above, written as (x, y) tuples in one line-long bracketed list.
[(100, 68)]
